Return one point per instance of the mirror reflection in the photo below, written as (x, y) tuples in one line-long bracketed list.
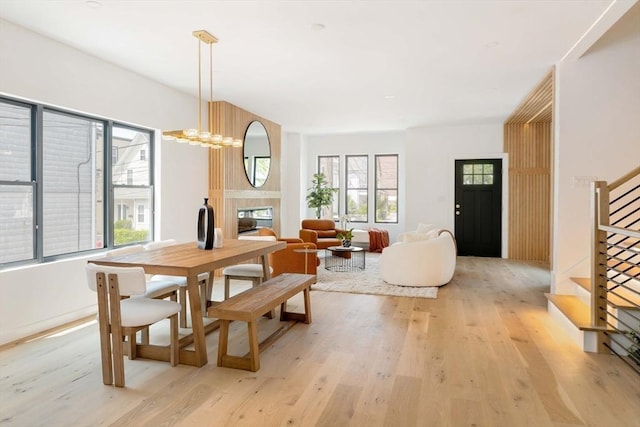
[(256, 154)]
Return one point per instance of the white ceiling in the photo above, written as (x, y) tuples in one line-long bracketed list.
[(376, 65)]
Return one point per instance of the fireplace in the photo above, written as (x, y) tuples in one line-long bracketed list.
[(251, 219)]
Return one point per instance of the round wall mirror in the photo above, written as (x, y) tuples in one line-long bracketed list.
[(256, 154)]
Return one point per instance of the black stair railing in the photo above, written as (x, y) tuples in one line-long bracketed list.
[(615, 287)]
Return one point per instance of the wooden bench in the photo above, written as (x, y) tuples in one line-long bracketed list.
[(248, 306)]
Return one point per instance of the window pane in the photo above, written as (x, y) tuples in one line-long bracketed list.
[(467, 179), (128, 227), (386, 172), (488, 179), (357, 188), (357, 205), (386, 206), (329, 166), (477, 169), (132, 193), (386, 196), (488, 169), (130, 168), (16, 223), (15, 143), (477, 179), (467, 169), (72, 198), (357, 172)]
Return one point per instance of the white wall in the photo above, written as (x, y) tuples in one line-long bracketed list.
[(431, 153), (597, 134), (292, 182), (353, 143), (35, 298)]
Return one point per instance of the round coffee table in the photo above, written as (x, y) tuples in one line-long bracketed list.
[(339, 258)]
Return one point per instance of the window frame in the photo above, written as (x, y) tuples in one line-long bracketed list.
[(335, 214), (377, 188), (37, 185), (347, 188)]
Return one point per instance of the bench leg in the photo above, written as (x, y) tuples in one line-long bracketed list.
[(298, 317), (223, 340), (307, 305), (254, 347)]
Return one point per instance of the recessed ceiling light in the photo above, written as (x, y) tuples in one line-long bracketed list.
[(492, 44), (389, 97), (93, 4), (317, 27)]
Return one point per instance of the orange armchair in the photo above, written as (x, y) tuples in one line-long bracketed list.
[(287, 260), (321, 232)]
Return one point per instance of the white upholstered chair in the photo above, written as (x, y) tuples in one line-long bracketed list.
[(251, 272), (120, 316), (181, 282), (428, 261)]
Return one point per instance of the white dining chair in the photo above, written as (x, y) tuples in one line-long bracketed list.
[(161, 288), (123, 310), (252, 272)]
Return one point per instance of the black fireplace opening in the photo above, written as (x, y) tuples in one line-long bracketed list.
[(251, 219)]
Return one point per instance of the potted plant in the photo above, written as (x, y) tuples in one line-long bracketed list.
[(346, 237), (320, 194), (634, 348)]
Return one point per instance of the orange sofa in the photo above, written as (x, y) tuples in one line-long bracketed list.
[(320, 232), (289, 261)]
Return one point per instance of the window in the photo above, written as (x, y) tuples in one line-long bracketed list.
[(356, 188), (57, 203), (330, 167), (17, 183), (131, 185), (477, 174), (386, 198), (72, 148)]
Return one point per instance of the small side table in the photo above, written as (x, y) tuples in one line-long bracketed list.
[(339, 258), (306, 252)]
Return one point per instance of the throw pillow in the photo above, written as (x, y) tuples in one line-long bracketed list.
[(415, 237), (423, 228), (432, 234)]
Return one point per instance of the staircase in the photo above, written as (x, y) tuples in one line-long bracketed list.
[(603, 313)]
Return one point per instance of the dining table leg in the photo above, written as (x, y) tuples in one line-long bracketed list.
[(266, 274), (197, 324)]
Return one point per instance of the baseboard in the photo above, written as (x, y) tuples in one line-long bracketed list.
[(20, 334)]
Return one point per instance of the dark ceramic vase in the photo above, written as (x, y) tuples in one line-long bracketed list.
[(206, 230)]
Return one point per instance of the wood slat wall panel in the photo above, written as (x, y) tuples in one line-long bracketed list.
[(229, 188), (529, 148), (528, 139), (537, 105)]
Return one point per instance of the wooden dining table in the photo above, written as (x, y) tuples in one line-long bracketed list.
[(188, 260)]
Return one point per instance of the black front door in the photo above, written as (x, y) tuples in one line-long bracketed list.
[(478, 207)]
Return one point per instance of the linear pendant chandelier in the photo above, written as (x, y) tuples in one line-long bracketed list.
[(204, 138)]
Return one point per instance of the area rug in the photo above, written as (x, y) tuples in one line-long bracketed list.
[(367, 282)]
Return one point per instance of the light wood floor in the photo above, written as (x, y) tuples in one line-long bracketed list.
[(484, 353)]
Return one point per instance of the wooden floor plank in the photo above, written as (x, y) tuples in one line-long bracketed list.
[(485, 352)]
